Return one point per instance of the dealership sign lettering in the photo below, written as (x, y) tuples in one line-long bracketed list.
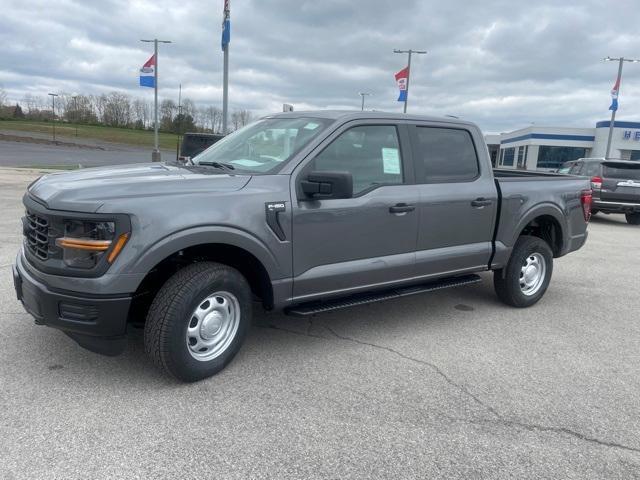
[(631, 135)]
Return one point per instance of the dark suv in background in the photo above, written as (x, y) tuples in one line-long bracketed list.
[(615, 185)]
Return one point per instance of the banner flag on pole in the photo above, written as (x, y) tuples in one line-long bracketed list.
[(147, 73), (401, 80), (614, 95), (226, 25)]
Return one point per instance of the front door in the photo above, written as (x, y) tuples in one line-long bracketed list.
[(341, 246)]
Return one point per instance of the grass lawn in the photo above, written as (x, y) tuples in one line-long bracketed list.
[(125, 136)]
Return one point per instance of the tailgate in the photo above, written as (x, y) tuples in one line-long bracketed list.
[(620, 182)]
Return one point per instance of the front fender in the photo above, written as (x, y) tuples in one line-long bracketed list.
[(208, 234)]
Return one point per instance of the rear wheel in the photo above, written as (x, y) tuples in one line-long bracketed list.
[(594, 212), (633, 218), (527, 274), (198, 321)]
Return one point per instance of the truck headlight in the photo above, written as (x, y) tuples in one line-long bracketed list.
[(86, 242)]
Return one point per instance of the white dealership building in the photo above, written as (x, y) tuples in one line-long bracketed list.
[(546, 148)]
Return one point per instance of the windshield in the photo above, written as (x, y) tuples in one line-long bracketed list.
[(264, 145)]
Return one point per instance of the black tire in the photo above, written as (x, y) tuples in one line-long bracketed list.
[(171, 312), (633, 218), (506, 281), (594, 212)]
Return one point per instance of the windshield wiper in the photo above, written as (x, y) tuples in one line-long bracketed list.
[(221, 166)]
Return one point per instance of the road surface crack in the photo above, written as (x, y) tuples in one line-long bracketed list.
[(498, 419)]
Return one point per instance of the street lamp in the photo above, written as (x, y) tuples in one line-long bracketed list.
[(363, 94), (616, 88), (53, 113)]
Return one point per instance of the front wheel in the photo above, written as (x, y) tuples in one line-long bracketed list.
[(633, 218), (198, 321), (527, 274)]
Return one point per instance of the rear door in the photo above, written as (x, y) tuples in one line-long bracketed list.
[(620, 182), (458, 199)]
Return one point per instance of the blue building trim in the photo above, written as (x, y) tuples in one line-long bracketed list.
[(553, 136), (617, 124)]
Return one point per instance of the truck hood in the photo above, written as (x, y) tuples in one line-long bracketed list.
[(88, 189)]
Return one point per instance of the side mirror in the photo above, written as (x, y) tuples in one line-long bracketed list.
[(328, 185)]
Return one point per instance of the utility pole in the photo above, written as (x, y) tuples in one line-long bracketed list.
[(53, 113), (410, 51), (363, 94), (226, 39), (616, 89), (155, 155)]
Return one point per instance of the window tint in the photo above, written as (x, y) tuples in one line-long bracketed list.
[(370, 153), (448, 154)]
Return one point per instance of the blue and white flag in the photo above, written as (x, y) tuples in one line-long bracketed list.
[(148, 73), (226, 25), (614, 95)]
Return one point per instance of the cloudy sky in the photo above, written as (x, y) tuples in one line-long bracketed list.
[(503, 64)]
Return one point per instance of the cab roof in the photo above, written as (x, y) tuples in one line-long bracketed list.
[(349, 115)]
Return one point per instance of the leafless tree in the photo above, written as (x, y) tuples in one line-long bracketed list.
[(117, 110), (240, 118), (213, 117), (3, 97)]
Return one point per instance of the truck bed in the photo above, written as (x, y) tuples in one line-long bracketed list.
[(523, 198)]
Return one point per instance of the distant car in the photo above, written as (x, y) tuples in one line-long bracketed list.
[(195, 143), (615, 185)]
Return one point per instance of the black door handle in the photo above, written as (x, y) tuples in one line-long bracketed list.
[(481, 202), (402, 208)]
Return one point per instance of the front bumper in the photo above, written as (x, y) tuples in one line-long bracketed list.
[(615, 207), (96, 322)]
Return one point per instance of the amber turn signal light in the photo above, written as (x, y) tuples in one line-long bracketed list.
[(122, 239)]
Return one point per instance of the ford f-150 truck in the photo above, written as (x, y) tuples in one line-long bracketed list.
[(305, 212)]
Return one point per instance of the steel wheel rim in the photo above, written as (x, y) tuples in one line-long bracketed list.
[(532, 274), (213, 326)]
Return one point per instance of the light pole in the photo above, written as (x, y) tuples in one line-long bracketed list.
[(363, 94), (410, 51), (53, 113), (75, 112), (616, 89), (226, 39), (155, 155)]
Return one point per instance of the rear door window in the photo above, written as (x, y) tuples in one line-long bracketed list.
[(445, 155)]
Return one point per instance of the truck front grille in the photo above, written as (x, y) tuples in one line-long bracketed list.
[(36, 233)]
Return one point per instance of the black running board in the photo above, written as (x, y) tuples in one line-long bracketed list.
[(313, 308)]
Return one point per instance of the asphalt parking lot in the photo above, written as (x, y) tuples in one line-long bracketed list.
[(451, 384)]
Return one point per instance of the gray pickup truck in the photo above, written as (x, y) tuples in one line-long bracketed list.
[(304, 212)]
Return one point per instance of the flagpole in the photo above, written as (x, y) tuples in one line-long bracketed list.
[(155, 155), (225, 73), (620, 60), (410, 51)]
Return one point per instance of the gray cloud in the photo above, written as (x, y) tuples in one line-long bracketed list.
[(503, 64)]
